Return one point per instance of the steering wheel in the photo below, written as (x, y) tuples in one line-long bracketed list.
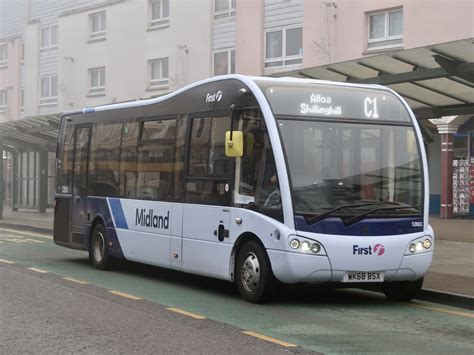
[(273, 200)]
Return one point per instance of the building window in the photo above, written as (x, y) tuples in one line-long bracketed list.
[(97, 81), (3, 100), (159, 13), (49, 90), (158, 73), (224, 9), (97, 26), (49, 38), (3, 55), (385, 29), (284, 47), (224, 62)]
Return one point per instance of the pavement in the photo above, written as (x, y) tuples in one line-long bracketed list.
[(450, 279)]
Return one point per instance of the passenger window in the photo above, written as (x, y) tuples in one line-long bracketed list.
[(105, 159), (182, 126), (66, 160), (128, 161), (155, 160), (209, 172), (207, 152)]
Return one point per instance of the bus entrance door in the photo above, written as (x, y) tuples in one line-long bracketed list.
[(79, 193)]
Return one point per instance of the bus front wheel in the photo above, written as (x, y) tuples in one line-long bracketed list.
[(98, 248), (402, 290), (254, 276)]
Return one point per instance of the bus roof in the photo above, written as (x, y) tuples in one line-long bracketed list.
[(244, 78)]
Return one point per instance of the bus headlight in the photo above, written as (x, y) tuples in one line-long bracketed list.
[(427, 243), (420, 245), (306, 246)]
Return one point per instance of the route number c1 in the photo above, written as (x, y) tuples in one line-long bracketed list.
[(370, 108)]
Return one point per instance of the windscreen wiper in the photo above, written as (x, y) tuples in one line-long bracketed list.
[(324, 215), (361, 216)]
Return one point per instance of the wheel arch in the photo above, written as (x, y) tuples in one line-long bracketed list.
[(241, 240), (97, 220)]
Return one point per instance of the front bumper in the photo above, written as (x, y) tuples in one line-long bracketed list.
[(290, 267)]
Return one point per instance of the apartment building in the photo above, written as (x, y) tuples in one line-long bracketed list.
[(58, 55)]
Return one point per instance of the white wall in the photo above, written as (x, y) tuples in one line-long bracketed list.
[(128, 47)]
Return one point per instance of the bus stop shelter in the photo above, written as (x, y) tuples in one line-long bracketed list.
[(27, 171), (437, 81)]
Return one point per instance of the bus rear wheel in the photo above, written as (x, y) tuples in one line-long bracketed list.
[(98, 253), (402, 290), (254, 276)]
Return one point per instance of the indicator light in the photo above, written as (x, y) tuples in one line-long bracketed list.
[(412, 248), (295, 244), (315, 248)]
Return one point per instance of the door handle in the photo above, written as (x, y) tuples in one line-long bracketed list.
[(222, 233)]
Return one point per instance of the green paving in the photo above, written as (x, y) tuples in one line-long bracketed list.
[(318, 319)]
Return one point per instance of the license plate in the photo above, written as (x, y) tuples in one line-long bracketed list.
[(361, 276)]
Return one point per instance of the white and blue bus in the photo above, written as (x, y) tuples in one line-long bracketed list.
[(252, 180)]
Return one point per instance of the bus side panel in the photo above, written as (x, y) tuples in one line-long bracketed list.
[(61, 220)]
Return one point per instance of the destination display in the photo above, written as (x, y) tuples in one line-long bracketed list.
[(335, 102)]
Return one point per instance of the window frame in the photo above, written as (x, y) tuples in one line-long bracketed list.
[(22, 100), (100, 89), (229, 12), (229, 52), (3, 101), (160, 83), (4, 58), (101, 34), (386, 38), (283, 58), (159, 22), (50, 99), (50, 46)]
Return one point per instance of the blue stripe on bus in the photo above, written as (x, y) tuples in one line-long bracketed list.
[(366, 227), (118, 214), (88, 110)]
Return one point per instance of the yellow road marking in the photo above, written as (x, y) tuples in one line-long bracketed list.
[(186, 313), (37, 270), (442, 310), (75, 280), (270, 339), (26, 233), (6, 261), (126, 295)]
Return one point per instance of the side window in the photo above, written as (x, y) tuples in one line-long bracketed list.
[(256, 181), (155, 160), (81, 155), (105, 159), (66, 159), (128, 161), (181, 130), (209, 169)]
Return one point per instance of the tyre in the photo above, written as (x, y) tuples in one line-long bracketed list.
[(254, 276), (403, 290), (98, 252)]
